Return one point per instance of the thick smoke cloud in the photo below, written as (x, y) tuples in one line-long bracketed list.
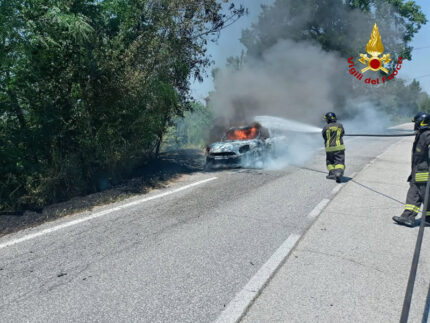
[(292, 80), (300, 81)]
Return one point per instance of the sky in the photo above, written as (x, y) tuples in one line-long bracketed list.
[(419, 66), (229, 45)]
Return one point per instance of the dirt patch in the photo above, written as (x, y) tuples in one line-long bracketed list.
[(155, 174)]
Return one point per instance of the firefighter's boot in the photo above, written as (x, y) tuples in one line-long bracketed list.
[(339, 176), (331, 175), (408, 221)]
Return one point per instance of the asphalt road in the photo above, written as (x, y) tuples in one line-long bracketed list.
[(178, 258)]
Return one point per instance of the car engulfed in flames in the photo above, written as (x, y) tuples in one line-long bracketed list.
[(239, 147)]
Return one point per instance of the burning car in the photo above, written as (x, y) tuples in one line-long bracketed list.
[(240, 146)]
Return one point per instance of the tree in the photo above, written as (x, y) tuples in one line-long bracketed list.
[(88, 88), (337, 25), (424, 102), (342, 29), (191, 130)]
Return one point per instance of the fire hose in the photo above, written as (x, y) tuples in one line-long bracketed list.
[(413, 273), (415, 260), (379, 134)]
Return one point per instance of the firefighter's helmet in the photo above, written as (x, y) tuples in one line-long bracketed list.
[(425, 122), (417, 119), (330, 117)]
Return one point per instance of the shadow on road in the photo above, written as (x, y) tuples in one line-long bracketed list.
[(347, 179), (156, 173)]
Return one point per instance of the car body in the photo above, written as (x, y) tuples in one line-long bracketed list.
[(239, 147)]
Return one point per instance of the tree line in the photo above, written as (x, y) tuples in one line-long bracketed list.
[(88, 88)]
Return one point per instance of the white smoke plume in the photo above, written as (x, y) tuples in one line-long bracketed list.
[(365, 118), (299, 81), (293, 80)]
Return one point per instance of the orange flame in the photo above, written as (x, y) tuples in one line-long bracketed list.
[(242, 134)]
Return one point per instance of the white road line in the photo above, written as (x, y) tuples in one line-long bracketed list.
[(317, 210), (99, 214), (238, 307), (336, 189)]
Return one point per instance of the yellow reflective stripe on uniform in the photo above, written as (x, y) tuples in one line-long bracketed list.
[(421, 177), (330, 167), (339, 167), (331, 149), (413, 208), (328, 135), (427, 213), (422, 174), (337, 145), (409, 207)]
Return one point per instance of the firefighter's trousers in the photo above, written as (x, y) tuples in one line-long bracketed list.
[(335, 161), (414, 199)]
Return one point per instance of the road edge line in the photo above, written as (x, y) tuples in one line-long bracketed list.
[(99, 214), (239, 306)]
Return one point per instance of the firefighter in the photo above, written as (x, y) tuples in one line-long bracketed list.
[(420, 172), (335, 149)]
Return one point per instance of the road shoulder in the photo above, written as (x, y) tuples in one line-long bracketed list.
[(353, 263)]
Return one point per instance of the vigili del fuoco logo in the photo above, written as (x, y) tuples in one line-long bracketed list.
[(375, 62)]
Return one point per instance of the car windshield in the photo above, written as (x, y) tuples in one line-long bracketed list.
[(242, 134)]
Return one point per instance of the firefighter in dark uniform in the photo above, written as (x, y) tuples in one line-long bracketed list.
[(420, 172), (335, 149)]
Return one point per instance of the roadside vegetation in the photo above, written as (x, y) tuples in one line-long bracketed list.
[(191, 130), (88, 89)]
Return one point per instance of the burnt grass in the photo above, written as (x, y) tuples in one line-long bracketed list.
[(156, 173)]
